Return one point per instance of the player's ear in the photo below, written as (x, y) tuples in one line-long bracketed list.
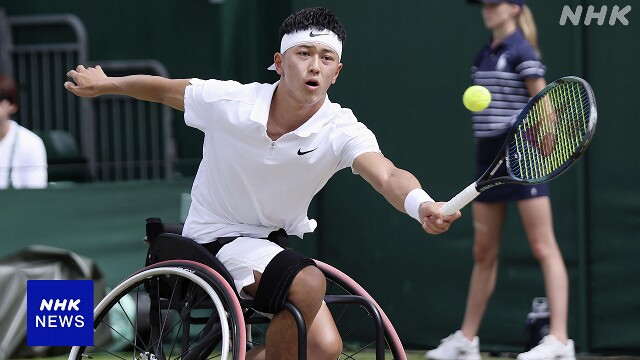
[(515, 9), (277, 60), (335, 77)]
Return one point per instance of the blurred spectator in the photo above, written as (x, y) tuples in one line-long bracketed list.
[(509, 65), (23, 158)]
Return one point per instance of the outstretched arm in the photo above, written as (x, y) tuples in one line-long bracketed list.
[(395, 184), (92, 82)]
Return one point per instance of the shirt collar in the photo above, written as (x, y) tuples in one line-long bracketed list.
[(508, 41), (260, 111)]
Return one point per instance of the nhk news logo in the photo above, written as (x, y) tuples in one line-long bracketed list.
[(59, 312)]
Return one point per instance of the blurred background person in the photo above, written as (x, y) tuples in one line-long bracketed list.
[(509, 66), (23, 158)]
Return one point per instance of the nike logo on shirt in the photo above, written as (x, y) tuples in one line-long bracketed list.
[(300, 152)]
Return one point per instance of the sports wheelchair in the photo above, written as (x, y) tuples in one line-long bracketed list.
[(182, 305)]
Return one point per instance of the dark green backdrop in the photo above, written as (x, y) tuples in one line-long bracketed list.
[(407, 63)]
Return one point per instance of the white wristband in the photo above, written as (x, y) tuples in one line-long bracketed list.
[(412, 202)]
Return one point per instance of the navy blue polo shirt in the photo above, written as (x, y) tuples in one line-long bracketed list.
[(503, 70)]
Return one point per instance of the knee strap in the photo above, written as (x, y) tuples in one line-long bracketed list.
[(277, 278)]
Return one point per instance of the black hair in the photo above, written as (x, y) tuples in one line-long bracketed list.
[(317, 18)]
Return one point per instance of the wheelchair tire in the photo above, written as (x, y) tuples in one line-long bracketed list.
[(189, 299), (353, 324)]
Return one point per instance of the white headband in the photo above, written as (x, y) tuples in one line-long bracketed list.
[(326, 37)]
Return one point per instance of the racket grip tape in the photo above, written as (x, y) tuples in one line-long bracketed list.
[(459, 201)]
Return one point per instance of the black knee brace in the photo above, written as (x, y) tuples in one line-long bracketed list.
[(277, 278)]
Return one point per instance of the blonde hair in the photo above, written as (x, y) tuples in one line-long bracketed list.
[(528, 27)]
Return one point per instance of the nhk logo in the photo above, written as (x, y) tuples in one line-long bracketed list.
[(59, 312), (617, 14)]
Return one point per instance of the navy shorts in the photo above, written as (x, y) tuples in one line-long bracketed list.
[(486, 151)]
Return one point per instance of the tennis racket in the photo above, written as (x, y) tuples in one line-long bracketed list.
[(547, 137)]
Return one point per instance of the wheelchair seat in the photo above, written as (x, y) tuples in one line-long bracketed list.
[(168, 246)]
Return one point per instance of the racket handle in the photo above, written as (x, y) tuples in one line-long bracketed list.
[(459, 201)]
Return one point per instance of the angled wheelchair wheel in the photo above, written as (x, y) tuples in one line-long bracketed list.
[(174, 309), (355, 314), (356, 319)]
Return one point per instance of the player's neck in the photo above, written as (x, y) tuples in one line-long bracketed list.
[(285, 115), (502, 32), (4, 128), (280, 123)]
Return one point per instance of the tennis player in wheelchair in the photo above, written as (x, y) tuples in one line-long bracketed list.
[(268, 149)]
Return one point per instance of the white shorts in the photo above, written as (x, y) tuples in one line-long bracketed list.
[(244, 255)]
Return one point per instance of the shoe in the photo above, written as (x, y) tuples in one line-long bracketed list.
[(550, 348), (456, 347)]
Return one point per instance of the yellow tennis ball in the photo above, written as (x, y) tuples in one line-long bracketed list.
[(476, 98)]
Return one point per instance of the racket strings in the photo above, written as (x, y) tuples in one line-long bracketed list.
[(549, 135)]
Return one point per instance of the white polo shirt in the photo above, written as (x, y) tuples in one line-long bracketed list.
[(23, 155), (250, 185)]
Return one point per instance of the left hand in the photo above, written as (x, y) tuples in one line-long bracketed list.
[(87, 82), (433, 222)]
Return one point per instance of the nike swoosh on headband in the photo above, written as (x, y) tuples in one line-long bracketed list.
[(311, 34)]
